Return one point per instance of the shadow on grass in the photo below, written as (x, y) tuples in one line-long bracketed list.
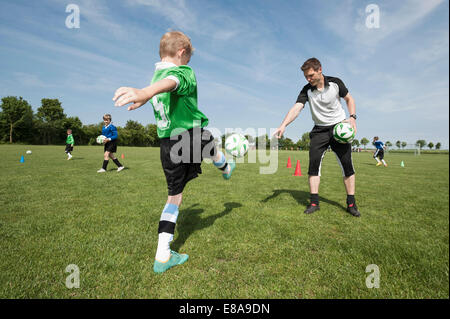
[(190, 221), (301, 197)]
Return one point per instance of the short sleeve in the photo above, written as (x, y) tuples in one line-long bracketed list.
[(303, 96), (343, 91), (185, 78)]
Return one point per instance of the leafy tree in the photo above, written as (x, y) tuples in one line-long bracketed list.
[(355, 142), (388, 144), (262, 141), (398, 144), (364, 141), (50, 122), (16, 117), (421, 143), (404, 144), (438, 145), (274, 142), (74, 123), (133, 125), (304, 142), (430, 145), (152, 135), (90, 132), (286, 142)]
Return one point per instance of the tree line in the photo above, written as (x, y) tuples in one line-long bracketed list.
[(19, 124)]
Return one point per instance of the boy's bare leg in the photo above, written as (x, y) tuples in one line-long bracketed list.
[(177, 199)]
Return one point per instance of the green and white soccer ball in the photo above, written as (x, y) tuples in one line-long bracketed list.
[(343, 133), (100, 139), (236, 145)]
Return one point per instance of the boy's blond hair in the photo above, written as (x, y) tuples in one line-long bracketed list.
[(173, 41)]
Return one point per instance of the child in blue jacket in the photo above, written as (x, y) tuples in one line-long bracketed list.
[(110, 142)]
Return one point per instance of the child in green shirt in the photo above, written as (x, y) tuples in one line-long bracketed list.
[(69, 144), (173, 94)]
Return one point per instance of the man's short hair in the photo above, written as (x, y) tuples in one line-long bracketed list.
[(311, 63), (173, 41)]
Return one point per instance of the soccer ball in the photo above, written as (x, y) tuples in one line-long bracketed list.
[(236, 145), (28, 152), (343, 133), (100, 139)]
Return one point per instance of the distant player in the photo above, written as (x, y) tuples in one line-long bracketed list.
[(110, 132), (173, 94), (69, 144), (378, 155)]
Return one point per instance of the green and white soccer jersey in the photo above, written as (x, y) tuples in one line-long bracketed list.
[(69, 139), (177, 111)]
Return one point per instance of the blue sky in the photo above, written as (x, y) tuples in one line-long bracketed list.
[(247, 59)]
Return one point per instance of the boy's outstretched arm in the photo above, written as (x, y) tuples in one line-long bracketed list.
[(291, 116), (139, 97)]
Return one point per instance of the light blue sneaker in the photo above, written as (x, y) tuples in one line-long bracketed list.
[(175, 259), (232, 166)]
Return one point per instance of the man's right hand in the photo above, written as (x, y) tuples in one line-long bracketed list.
[(279, 132)]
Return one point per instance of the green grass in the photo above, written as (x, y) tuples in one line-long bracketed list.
[(247, 237)]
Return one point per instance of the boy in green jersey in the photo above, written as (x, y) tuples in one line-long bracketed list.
[(69, 144), (184, 141)]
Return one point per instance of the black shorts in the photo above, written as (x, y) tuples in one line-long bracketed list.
[(182, 155), (69, 148), (379, 153), (322, 137), (111, 146)]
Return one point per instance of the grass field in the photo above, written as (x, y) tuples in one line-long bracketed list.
[(247, 237)]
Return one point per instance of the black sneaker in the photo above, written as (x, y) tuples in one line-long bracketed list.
[(311, 208), (353, 210)]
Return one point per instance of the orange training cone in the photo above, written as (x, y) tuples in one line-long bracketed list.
[(289, 162), (298, 171), (123, 156)]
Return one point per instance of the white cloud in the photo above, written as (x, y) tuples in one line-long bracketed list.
[(30, 80)]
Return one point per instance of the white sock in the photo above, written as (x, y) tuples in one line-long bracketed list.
[(384, 162), (377, 159), (163, 250)]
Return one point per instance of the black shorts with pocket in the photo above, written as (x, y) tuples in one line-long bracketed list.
[(111, 146), (321, 138), (181, 157)]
